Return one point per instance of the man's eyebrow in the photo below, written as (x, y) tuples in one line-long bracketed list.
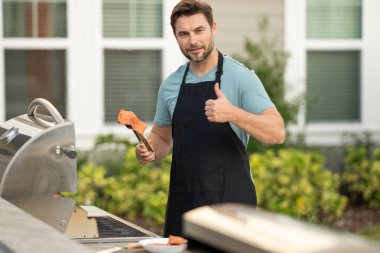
[(200, 27), (182, 32), (196, 28)]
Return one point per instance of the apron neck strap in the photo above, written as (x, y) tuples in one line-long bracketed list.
[(219, 70)]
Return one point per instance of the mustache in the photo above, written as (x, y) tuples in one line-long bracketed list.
[(194, 47)]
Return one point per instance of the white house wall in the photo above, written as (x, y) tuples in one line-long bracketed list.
[(238, 19)]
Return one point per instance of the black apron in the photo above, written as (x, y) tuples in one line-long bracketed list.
[(210, 164)]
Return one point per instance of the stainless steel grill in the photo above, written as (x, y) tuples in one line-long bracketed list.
[(38, 162), (37, 154)]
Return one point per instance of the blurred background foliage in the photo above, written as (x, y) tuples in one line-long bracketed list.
[(110, 178), (288, 181), (296, 183), (268, 60), (361, 172)]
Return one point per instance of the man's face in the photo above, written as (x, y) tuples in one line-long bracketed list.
[(195, 37)]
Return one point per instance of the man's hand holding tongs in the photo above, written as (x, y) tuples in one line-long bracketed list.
[(144, 150), (143, 155)]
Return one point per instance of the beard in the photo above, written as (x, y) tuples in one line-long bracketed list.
[(199, 58)]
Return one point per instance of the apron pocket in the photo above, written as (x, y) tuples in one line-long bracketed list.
[(198, 172)]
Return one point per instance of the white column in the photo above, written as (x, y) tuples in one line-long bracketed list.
[(294, 44), (370, 65), (84, 67), (172, 56)]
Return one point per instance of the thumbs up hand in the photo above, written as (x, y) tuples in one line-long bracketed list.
[(218, 92), (219, 109)]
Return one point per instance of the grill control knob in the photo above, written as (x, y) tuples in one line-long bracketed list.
[(9, 135), (69, 151)]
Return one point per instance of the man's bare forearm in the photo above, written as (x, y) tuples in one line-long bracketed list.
[(161, 140), (267, 127)]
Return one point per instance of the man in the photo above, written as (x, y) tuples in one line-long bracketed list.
[(206, 111)]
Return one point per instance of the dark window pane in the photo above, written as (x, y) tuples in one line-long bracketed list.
[(334, 19), (34, 18), (333, 86), (31, 74), (132, 79), (132, 18)]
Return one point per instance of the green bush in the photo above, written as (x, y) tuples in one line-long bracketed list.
[(141, 191), (268, 60), (288, 181), (361, 175), (137, 191), (297, 184)]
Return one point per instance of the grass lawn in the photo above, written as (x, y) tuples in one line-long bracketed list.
[(371, 233)]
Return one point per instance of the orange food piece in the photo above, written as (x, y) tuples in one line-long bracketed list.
[(176, 240), (130, 119)]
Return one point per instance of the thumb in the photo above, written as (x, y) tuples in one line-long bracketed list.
[(218, 92)]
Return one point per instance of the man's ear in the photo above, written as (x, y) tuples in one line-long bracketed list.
[(213, 27)]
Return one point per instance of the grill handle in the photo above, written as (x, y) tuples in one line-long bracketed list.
[(48, 106)]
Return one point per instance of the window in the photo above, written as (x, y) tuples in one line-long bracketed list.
[(334, 19), (34, 69), (132, 79), (333, 88), (132, 18), (333, 73), (132, 76), (34, 18), (88, 58), (31, 74)]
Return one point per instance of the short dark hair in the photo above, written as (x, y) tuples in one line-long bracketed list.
[(189, 8)]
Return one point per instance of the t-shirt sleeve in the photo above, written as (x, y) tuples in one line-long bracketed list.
[(162, 117), (255, 99)]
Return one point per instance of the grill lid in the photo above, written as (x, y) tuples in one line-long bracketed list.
[(37, 154), (37, 162)]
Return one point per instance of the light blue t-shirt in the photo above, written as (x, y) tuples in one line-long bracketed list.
[(240, 85)]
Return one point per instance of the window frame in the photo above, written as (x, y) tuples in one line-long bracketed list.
[(165, 44), (26, 43), (297, 44), (84, 46), (332, 45), (126, 44)]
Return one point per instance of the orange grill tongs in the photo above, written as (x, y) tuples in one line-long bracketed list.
[(130, 120)]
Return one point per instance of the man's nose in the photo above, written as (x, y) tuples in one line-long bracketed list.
[(193, 39)]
